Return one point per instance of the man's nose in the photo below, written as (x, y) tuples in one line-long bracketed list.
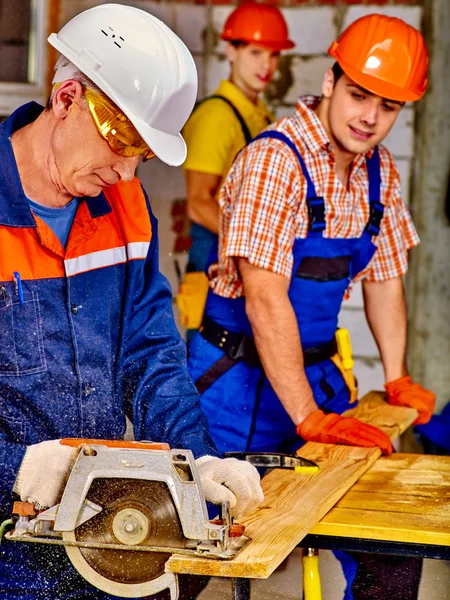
[(266, 61), (126, 167), (370, 114)]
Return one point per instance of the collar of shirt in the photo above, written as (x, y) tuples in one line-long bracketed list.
[(245, 107), (313, 131), (14, 206)]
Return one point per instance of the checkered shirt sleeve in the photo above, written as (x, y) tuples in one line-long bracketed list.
[(258, 206)]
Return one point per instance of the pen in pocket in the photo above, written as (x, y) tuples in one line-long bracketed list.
[(18, 286)]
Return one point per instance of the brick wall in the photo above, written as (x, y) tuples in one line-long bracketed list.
[(312, 25)]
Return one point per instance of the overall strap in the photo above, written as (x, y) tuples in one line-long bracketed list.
[(239, 117), (315, 204), (376, 207)]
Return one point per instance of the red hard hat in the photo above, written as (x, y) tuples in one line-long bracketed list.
[(257, 24), (385, 56)]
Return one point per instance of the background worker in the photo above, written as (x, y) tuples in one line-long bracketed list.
[(311, 206), (86, 326), (221, 126)]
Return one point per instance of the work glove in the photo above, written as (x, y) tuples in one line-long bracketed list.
[(43, 473), (334, 429), (236, 481), (403, 392)]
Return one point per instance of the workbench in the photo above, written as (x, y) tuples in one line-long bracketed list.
[(357, 501), (400, 506)]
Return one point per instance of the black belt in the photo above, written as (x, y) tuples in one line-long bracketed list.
[(235, 345), (239, 346)]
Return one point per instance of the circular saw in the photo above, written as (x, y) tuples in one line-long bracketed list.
[(126, 507)]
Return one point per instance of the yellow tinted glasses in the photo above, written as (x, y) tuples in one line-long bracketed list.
[(116, 128)]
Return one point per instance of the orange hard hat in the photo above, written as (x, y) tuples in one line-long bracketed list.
[(385, 56), (257, 24)]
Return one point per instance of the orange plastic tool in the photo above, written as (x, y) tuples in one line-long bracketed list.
[(76, 442)]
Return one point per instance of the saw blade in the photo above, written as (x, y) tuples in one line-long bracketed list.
[(135, 512)]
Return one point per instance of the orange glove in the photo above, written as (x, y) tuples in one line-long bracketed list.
[(333, 429), (403, 392)]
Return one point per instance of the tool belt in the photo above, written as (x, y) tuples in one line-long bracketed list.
[(239, 346)]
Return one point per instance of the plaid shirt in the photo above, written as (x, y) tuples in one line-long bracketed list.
[(263, 205)]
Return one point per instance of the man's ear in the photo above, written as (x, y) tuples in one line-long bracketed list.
[(230, 52), (328, 83), (68, 94)]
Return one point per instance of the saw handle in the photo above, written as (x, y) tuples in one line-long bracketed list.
[(77, 442)]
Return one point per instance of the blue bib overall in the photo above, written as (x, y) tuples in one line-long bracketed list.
[(242, 409)]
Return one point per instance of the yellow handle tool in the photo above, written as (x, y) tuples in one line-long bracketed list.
[(344, 362), (344, 345), (191, 299), (276, 460)]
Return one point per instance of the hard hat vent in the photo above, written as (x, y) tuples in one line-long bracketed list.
[(110, 33)]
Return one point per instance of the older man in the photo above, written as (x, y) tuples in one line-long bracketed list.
[(86, 327)]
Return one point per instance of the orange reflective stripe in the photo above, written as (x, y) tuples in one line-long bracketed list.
[(23, 252), (128, 222), (123, 234)]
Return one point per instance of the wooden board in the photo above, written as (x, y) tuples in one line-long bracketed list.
[(403, 498), (294, 503)]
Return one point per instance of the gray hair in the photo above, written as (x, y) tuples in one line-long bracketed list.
[(73, 73)]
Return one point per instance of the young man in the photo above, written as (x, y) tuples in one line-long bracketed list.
[(222, 124), (86, 326), (311, 206)]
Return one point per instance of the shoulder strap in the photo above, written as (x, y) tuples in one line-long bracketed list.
[(376, 207), (315, 204), (239, 117)]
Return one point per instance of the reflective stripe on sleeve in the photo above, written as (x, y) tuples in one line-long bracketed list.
[(106, 258)]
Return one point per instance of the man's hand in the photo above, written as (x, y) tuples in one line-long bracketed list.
[(230, 479), (403, 392), (334, 429), (44, 472)]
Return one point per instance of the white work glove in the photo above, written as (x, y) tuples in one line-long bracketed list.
[(43, 473), (230, 479)]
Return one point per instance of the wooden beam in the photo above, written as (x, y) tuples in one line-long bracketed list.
[(294, 503)]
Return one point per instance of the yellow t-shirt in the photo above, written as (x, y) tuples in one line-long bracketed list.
[(213, 133)]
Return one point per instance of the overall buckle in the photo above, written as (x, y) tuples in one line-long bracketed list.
[(376, 214), (316, 213)]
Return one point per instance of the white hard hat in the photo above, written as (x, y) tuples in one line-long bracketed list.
[(141, 65)]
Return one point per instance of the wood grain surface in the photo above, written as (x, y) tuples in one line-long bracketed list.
[(295, 502), (403, 498)]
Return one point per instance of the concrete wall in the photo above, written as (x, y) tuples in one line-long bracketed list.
[(312, 25), (429, 280)]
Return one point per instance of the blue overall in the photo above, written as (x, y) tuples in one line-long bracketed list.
[(242, 409), (202, 241)]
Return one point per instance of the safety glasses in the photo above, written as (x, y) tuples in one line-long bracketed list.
[(116, 128)]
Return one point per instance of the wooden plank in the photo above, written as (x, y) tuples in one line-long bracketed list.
[(403, 497), (294, 503)]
